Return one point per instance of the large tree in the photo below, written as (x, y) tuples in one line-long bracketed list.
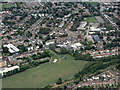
[(63, 50), (22, 48), (5, 49), (59, 81)]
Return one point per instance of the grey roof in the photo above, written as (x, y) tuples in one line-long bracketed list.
[(96, 37)]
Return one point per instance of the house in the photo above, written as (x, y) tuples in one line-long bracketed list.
[(96, 38), (89, 38), (86, 84), (30, 48), (62, 24), (89, 79), (95, 78), (104, 75), (18, 17), (69, 26), (12, 60), (3, 63), (57, 49)]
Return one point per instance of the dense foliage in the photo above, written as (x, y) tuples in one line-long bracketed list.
[(59, 81), (22, 49), (44, 30), (95, 66)]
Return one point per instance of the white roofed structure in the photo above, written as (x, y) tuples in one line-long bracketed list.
[(6, 69), (82, 25), (11, 48), (48, 43), (94, 29)]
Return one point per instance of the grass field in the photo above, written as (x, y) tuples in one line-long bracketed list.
[(8, 5), (91, 19), (0, 7), (45, 74), (54, 56)]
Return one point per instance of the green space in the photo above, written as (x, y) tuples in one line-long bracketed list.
[(92, 3), (90, 19), (54, 56), (5, 5), (45, 74), (0, 7), (19, 4)]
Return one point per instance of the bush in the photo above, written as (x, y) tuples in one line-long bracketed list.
[(59, 81)]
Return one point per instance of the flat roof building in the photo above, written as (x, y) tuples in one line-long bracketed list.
[(96, 38), (93, 29), (11, 48), (82, 26), (6, 69)]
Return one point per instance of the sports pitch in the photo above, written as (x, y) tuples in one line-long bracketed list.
[(45, 74)]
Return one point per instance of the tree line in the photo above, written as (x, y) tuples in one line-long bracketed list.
[(24, 67), (95, 67)]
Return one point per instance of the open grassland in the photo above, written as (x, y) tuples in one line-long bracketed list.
[(45, 73)]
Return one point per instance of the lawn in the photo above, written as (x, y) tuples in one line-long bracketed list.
[(54, 56), (90, 19), (8, 5), (0, 7), (45, 73)]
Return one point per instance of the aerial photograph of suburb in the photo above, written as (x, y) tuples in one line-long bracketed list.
[(60, 44)]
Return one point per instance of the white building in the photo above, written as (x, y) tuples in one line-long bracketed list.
[(55, 60), (48, 43), (6, 69), (82, 26), (93, 29), (76, 46), (95, 78), (62, 24), (11, 48)]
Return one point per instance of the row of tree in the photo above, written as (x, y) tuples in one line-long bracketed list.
[(95, 67), (24, 67), (76, 54), (38, 56)]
